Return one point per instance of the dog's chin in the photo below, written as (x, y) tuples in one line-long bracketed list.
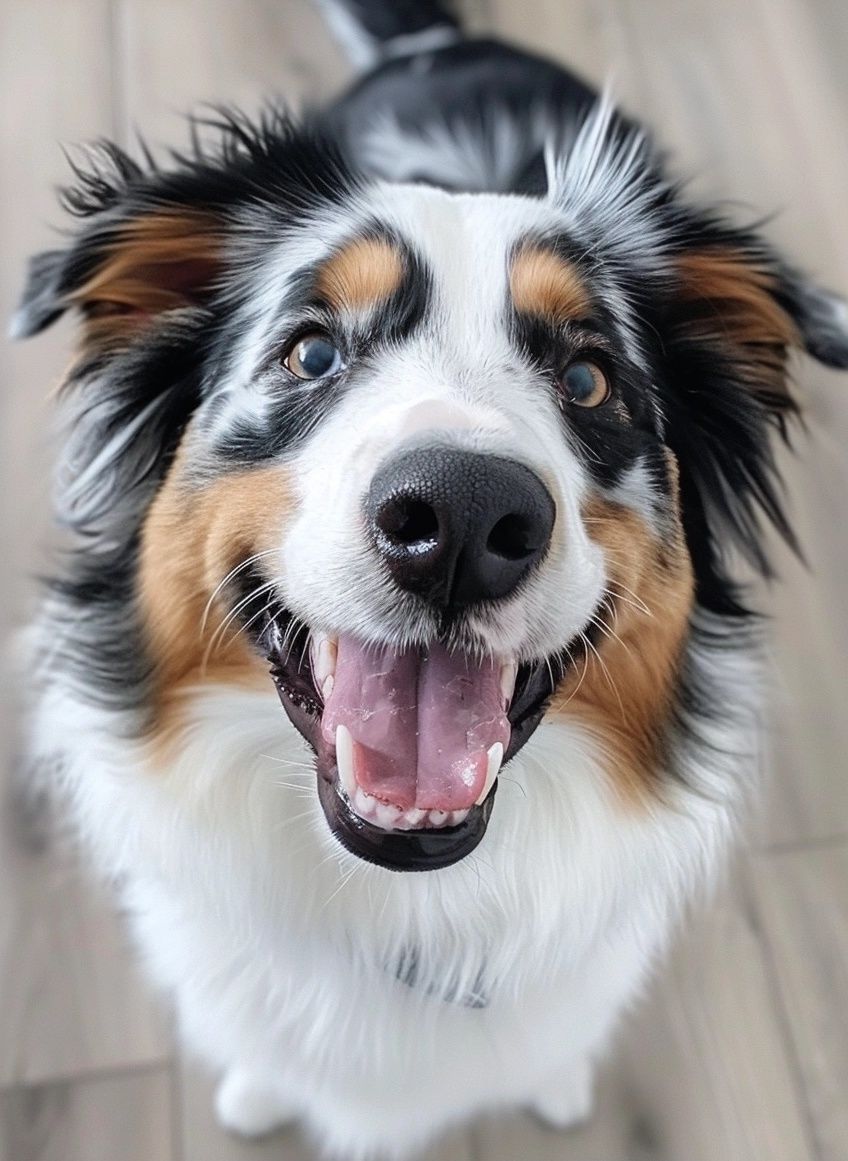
[(376, 828)]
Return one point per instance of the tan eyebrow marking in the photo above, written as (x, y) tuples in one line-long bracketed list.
[(546, 285), (360, 274)]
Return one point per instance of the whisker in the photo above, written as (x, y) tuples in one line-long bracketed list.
[(607, 675), (576, 690), (610, 633), (634, 600), (230, 576), (347, 878), (215, 641), (302, 791), (288, 762), (296, 818), (514, 781)]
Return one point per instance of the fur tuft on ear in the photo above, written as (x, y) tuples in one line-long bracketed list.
[(734, 314), (41, 302), (822, 319), (125, 276), (152, 238)]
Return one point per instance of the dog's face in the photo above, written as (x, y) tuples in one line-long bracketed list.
[(453, 464)]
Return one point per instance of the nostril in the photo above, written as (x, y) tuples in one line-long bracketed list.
[(512, 538), (409, 522)]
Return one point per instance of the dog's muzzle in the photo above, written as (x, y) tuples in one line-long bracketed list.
[(410, 739)]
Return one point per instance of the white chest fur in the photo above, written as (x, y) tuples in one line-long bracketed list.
[(281, 950)]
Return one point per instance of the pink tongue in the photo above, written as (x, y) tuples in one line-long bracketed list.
[(422, 723)]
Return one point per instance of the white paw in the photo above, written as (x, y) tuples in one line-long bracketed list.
[(566, 1099), (247, 1104)]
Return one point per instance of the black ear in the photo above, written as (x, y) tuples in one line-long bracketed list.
[(821, 318), (42, 301)]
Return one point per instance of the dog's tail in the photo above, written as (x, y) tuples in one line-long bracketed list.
[(371, 31)]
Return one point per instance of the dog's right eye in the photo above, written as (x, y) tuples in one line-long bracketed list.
[(314, 356)]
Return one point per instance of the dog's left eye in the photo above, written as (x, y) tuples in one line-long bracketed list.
[(585, 384), (314, 356)]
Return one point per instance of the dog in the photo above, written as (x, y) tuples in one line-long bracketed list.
[(397, 672)]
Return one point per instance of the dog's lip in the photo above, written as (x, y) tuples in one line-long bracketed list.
[(420, 849), (415, 849)]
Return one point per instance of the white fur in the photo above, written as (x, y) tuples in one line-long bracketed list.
[(281, 949), (278, 946)]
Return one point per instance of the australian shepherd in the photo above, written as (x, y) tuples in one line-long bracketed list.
[(397, 672)]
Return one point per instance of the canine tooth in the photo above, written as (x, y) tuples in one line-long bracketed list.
[(324, 655), (344, 760), (438, 817), (327, 686), (509, 672), (495, 757), (362, 802)]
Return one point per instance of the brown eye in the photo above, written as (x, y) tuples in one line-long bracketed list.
[(314, 356), (585, 385)]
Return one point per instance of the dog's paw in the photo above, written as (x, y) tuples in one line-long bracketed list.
[(248, 1105), (566, 1100)]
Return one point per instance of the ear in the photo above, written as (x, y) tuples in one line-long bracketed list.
[(821, 318), (121, 275), (40, 302), (742, 299), (733, 315)]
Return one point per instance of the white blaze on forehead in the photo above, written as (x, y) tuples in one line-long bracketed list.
[(466, 241), (457, 380)]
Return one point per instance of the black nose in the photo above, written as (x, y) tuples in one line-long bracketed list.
[(458, 528)]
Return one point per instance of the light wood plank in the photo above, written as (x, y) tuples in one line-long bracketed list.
[(204, 1140), (754, 97), (803, 898), (700, 1074), (177, 54), (124, 1118), (751, 98), (55, 86), (72, 1000), (584, 37)]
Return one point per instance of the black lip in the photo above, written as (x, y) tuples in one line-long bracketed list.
[(402, 850), (285, 644)]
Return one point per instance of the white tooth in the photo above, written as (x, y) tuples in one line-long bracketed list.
[(327, 686), (362, 802), (509, 672), (495, 757), (456, 817), (324, 653), (387, 815), (344, 760), (414, 816), (437, 817)]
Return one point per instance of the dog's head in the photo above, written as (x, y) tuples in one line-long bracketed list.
[(452, 464)]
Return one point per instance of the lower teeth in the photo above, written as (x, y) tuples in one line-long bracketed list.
[(388, 817)]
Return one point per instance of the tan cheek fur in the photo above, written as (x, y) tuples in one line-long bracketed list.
[(193, 537), (624, 695)]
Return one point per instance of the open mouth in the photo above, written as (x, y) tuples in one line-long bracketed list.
[(408, 742)]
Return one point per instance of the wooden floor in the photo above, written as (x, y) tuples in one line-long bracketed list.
[(741, 1051)]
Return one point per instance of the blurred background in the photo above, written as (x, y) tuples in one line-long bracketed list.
[(740, 1052)]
